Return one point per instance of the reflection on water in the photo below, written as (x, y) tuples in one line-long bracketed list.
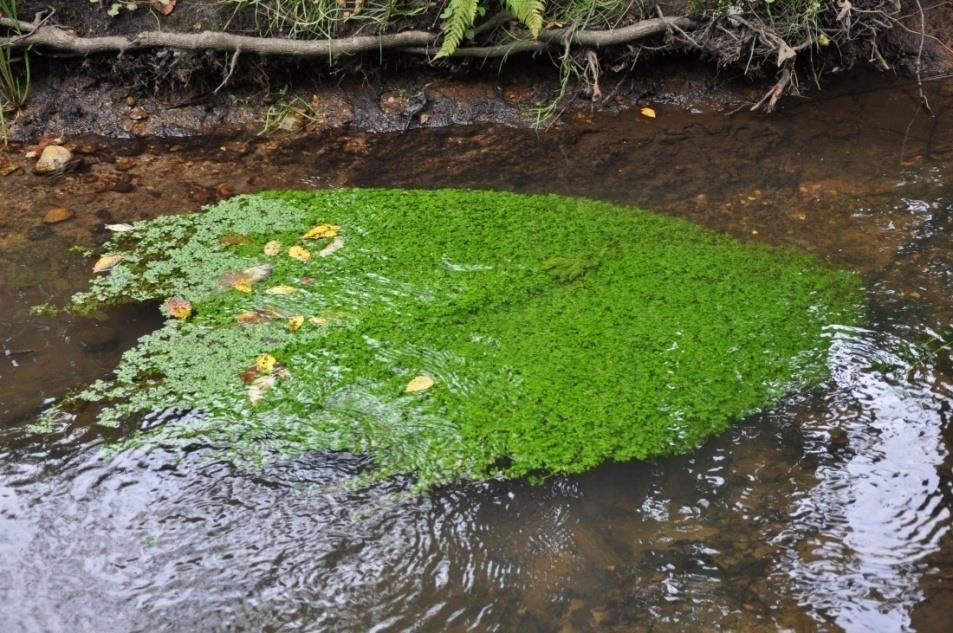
[(862, 531), (830, 512)]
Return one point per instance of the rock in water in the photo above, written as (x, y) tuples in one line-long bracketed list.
[(54, 158), (57, 214)]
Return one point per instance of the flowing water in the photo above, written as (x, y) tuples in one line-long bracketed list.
[(830, 512)]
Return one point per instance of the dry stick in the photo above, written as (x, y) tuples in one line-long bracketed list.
[(421, 42)]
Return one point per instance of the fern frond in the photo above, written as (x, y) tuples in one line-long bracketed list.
[(529, 12), (460, 15)]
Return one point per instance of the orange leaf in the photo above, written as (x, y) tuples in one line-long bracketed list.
[(163, 7), (178, 308)]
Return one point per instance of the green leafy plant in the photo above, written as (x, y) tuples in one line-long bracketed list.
[(460, 15), (458, 18), (455, 334), (287, 114), (529, 12), (14, 84)]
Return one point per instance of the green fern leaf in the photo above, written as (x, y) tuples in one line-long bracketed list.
[(460, 16), (529, 12)]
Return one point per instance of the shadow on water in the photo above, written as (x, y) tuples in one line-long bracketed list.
[(829, 512)]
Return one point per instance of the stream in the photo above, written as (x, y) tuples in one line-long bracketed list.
[(829, 512)]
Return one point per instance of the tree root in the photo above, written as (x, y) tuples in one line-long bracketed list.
[(37, 34)]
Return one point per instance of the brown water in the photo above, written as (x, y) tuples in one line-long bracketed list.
[(830, 512)]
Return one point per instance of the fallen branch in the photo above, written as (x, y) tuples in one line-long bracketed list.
[(419, 42)]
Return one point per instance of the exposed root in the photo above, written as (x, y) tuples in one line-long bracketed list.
[(770, 100), (36, 34)]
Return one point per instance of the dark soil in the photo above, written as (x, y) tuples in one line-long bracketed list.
[(170, 93)]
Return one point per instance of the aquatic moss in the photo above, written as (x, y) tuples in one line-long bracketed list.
[(560, 333)]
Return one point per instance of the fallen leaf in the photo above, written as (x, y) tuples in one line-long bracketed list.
[(335, 244), (259, 387), (321, 231), (120, 228), (42, 144), (272, 248), (57, 215), (248, 317), (250, 374), (419, 383), (318, 320), (299, 253), (295, 323), (648, 112), (265, 362), (243, 281), (163, 7), (107, 262), (257, 315), (280, 290), (178, 308), (242, 284), (234, 240), (258, 273)]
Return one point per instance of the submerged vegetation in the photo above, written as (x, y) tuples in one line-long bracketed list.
[(455, 334)]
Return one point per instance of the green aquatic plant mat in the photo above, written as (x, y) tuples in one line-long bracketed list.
[(457, 334)]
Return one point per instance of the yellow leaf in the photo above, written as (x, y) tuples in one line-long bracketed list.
[(321, 231), (295, 323), (301, 254), (265, 362), (318, 320), (241, 284), (107, 262), (178, 308), (272, 248), (280, 290), (419, 383), (648, 112)]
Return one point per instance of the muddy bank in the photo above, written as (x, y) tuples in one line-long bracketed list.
[(173, 92), (66, 102)]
